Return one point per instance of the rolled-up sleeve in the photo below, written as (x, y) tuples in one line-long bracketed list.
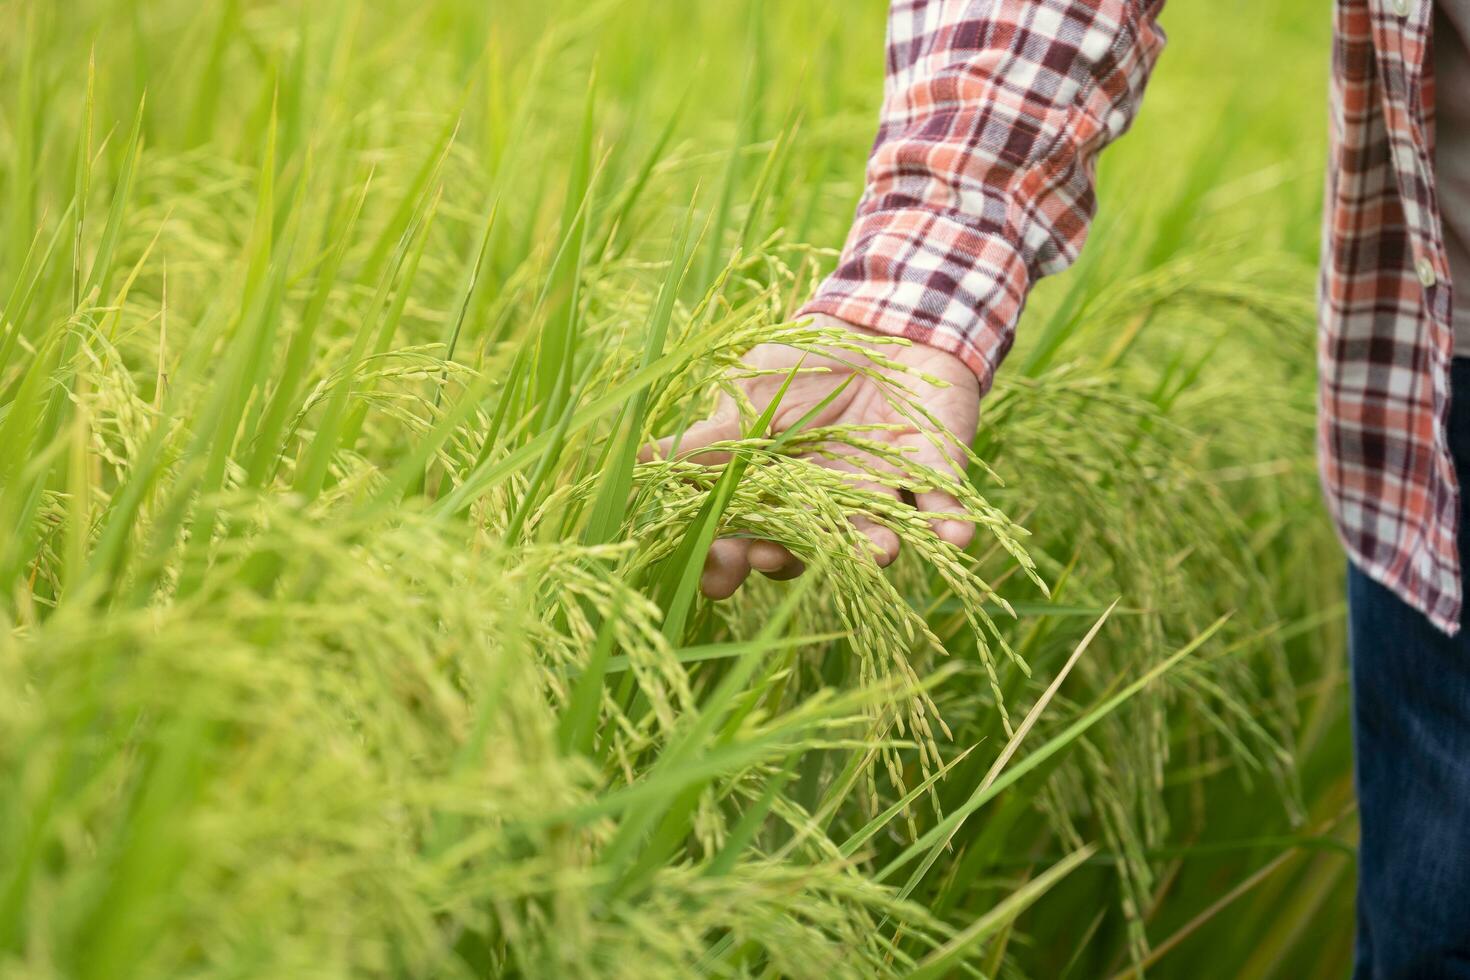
[(981, 180)]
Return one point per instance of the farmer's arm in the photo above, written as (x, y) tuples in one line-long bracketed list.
[(981, 179), (980, 183)]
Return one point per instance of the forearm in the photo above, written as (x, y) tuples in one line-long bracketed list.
[(981, 180)]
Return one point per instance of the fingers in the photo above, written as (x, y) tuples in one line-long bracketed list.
[(726, 568), (958, 529), (730, 560), (774, 561), (885, 542)]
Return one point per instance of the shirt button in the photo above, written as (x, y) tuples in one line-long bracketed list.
[(1425, 270)]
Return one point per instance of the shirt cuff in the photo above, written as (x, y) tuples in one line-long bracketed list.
[(933, 279)]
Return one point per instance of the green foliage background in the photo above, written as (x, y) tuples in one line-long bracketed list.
[(343, 635)]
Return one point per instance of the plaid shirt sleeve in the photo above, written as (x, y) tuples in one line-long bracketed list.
[(981, 178)]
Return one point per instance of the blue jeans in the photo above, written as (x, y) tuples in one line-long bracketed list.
[(1411, 737)]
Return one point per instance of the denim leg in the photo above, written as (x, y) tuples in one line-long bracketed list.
[(1411, 733)]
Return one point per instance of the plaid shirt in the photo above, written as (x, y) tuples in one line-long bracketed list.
[(981, 182)]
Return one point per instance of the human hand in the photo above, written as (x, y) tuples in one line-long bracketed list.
[(868, 399)]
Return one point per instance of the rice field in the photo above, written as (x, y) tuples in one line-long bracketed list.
[(350, 632)]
